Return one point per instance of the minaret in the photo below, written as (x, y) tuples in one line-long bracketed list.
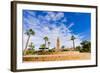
[(58, 44)]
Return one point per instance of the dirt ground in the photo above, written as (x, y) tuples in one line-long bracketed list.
[(71, 55)]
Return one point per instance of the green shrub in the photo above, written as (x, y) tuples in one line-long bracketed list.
[(30, 52), (85, 50), (65, 50)]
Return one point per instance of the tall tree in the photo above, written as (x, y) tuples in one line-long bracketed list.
[(73, 38), (31, 45), (28, 33), (46, 39), (86, 46)]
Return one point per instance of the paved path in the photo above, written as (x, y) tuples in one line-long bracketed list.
[(65, 56)]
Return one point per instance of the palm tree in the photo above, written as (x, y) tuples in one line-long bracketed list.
[(46, 39), (48, 44), (32, 46), (42, 47), (73, 38), (29, 33)]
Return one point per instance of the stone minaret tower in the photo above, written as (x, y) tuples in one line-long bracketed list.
[(58, 44)]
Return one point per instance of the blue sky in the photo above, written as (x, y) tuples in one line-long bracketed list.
[(57, 24)]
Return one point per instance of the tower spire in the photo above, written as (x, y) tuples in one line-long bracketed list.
[(58, 44)]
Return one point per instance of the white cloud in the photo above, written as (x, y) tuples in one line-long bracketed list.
[(54, 16), (31, 13), (72, 24), (64, 20)]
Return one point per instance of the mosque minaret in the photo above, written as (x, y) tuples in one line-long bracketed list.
[(58, 44)]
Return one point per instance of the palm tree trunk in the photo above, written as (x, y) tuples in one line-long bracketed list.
[(26, 44), (73, 45)]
